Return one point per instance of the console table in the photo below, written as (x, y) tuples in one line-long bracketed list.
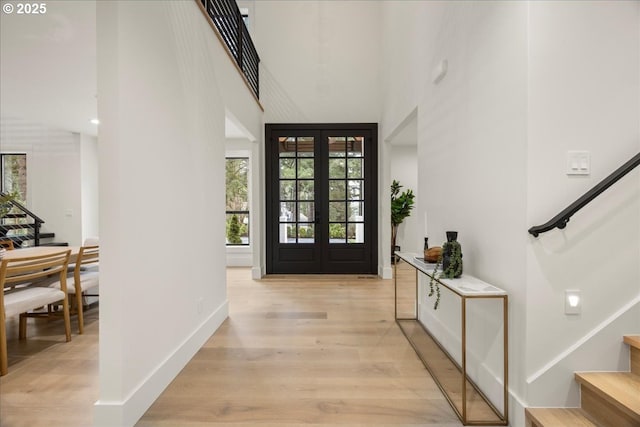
[(467, 400)]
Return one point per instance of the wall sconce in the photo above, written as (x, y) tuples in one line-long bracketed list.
[(572, 302)]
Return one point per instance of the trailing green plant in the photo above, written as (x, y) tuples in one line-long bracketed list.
[(401, 205), (452, 270), (434, 286)]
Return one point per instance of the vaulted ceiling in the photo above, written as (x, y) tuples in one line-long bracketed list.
[(48, 66)]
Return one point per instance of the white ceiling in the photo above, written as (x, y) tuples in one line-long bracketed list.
[(48, 66)]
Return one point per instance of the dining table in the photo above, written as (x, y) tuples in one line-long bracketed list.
[(31, 251), (41, 250)]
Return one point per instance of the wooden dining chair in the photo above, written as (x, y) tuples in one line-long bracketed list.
[(7, 244), (86, 275), (21, 300)]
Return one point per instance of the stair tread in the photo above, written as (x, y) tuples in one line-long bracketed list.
[(632, 340), (621, 389), (557, 417)]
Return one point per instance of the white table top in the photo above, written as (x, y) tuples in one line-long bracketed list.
[(465, 285)]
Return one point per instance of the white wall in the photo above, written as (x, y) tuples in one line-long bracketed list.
[(472, 146), (53, 174), (526, 82), (404, 168), (164, 84), (89, 186), (583, 95), (320, 60)]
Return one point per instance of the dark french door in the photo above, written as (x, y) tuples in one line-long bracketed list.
[(321, 198)]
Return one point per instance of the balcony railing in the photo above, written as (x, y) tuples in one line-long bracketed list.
[(226, 17)]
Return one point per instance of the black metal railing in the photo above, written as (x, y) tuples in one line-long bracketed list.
[(227, 18), (17, 223), (561, 220)]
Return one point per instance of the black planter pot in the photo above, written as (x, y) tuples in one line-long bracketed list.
[(451, 262)]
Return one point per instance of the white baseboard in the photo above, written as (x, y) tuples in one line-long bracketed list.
[(385, 272), (239, 259), (127, 412), (256, 273)]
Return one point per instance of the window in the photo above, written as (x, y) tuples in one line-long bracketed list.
[(237, 184), (14, 175)]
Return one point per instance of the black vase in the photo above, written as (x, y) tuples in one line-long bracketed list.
[(451, 263)]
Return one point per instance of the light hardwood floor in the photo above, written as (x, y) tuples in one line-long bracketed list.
[(296, 350)]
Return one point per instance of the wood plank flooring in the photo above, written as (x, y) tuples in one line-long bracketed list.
[(50, 382), (296, 350)]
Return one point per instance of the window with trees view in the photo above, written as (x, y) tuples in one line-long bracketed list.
[(237, 185), (14, 176)]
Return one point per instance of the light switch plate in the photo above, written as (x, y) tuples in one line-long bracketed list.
[(578, 162)]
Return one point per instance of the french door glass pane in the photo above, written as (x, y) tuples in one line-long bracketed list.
[(356, 189), (346, 189), (356, 211), (354, 168), (286, 211), (337, 233), (355, 146), (306, 212), (297, 189), (337, 212), (336, 168), (336, 190), (306, 190), (287, 168), (337, 146), (287, 190), (305, 168), (306, 233)]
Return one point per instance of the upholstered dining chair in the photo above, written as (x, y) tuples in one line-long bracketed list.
[(89, 241), (22, 299), (85, 276)]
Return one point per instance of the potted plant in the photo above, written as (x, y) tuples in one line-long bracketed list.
[(401, 205)]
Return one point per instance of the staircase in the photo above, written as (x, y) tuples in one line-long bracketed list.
[(14, 227), (19, 224), (608, 399)]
